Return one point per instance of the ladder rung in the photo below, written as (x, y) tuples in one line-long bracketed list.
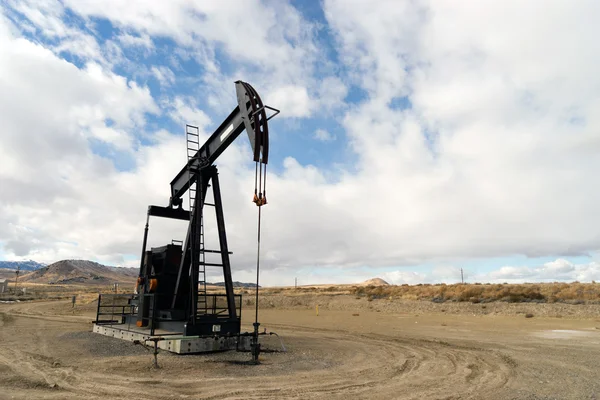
[(191, 141), (211, 264), (215, 251), (192, 133), (209, 204)]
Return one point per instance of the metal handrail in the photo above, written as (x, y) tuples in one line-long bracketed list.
[(118, 312)]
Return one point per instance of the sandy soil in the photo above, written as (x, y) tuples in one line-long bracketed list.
[(47, 352)]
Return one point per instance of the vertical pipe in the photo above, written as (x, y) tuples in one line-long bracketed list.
[(257, 265), (98, 309), (255, 346), (153, 317), (145, 240), (17, 279), (185, 258)]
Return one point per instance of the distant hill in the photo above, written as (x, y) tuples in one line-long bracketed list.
[(7, 274), (81, 272), (375, 282), (236, 284), (23, 265)]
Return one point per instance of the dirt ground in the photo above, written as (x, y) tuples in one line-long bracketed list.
[(366, 352)]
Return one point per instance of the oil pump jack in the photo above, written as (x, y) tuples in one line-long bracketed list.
[(171, 290)]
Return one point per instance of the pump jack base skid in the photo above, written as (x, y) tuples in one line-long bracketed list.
[(176, 343)]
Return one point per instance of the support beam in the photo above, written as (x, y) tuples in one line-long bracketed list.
[(186, 266), (223, 243), (168, 212), (222, 137)]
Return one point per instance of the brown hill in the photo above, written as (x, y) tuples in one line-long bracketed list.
[(6, 273), (81, 272), (375, 282)]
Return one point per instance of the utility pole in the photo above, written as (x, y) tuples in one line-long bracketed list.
[(17, 277), (295, 282), (462, 277)]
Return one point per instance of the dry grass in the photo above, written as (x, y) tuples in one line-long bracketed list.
[(574, 293), (41, 291)]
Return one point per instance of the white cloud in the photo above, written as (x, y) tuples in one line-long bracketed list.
[(558, 270), (484, 163), (128, 40), (519, 274), (47, 19), (164, 75), (81, 45), (270, 45), (496, 155), (401, 277), (376, 41), (292, 99), (46, 15), (52, 183), (323, 135), (183, 110), (330, 94)]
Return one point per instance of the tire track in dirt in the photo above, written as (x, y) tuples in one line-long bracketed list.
[(410, 369), (345, 365), (432, 362)]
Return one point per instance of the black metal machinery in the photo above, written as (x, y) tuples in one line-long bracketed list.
[(171, 289)]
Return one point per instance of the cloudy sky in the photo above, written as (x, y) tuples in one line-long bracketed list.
[(415, 137)]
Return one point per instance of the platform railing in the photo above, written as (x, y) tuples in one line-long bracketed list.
[(114, 309), (216, 304)]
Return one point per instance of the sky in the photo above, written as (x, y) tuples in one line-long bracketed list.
[(415, 138)]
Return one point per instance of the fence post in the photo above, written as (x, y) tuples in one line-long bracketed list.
[(98, 309), (152, 317)]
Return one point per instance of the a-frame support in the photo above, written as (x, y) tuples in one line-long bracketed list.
[(191, 267), (223, 243)]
